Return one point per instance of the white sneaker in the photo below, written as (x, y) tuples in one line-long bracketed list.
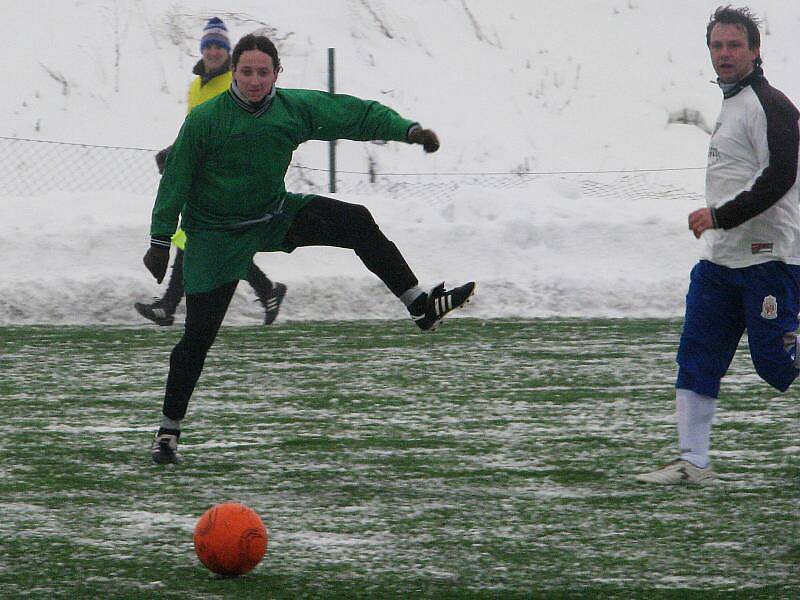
[(677, 472)]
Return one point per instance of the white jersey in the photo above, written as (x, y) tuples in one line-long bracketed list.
[(752, 183)]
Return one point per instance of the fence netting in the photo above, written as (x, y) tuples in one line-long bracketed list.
[(31, 167)]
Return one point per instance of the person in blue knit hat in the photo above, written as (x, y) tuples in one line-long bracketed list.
[(215, 33)]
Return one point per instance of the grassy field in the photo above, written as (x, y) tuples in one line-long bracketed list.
[(491, 459)]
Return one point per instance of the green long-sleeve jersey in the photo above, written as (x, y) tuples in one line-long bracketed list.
[(228, 165)]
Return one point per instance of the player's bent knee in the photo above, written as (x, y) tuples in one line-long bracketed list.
[(365, 232), (361, 217)]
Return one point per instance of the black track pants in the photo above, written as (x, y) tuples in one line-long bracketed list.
[(174, 293), (323, 222), (329, 222), (204, 315)]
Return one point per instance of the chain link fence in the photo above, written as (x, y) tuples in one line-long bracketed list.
[(32, 167)]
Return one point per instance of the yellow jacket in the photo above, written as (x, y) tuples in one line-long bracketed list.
[(199, 93)]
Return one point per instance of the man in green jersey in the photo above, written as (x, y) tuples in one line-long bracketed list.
[(225, 179)]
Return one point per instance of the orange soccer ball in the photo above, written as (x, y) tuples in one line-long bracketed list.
[(230, 539)]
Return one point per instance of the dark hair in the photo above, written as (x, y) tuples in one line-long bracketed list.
[(256, 42), (741, 17)]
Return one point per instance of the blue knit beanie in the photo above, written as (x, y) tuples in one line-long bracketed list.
[(215, 32)]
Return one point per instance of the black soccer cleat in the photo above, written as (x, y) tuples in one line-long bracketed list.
[(155, 312), (165, 447), (439, 302), (272, 302)]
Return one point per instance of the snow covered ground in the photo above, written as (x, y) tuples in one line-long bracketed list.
[(509, 86)]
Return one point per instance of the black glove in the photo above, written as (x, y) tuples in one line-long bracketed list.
[(161, 159), (156, 259), (426, 137)]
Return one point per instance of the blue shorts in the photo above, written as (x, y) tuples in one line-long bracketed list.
[(720, 305)]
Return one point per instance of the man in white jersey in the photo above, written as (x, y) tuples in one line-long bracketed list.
[(748, 277)]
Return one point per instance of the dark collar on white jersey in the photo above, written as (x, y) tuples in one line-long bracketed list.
[(729, 90)]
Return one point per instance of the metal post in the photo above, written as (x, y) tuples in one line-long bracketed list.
[(332, 143)]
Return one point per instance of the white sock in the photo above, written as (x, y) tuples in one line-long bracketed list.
[(410, 295), (167, 423), (695, 415)]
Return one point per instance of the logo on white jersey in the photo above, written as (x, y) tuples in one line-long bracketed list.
[(761, 248), (769, 309)]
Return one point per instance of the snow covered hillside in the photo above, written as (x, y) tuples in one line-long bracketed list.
[(510, 86)]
